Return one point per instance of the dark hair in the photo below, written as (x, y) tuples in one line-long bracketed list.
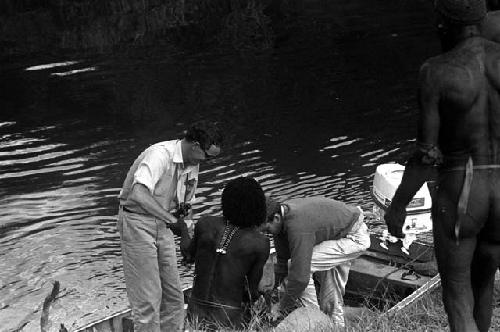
[(204, 132), (243, 202), (272, 207), (461, 13)]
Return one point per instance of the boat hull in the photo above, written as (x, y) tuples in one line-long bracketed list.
[(378, 276)]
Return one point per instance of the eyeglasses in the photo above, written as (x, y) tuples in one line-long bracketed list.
[(272, 216), (212, 151)]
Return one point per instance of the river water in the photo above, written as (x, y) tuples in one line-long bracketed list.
[(313, 116)]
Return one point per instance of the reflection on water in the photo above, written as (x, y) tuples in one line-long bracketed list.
[(56, 223), (74, 71), (313, 117), (51, 65)]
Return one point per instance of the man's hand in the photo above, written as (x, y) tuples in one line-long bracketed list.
[(179, 227), (183, 210), (395, 219), (141, 195), (278, 279), (275, 314)]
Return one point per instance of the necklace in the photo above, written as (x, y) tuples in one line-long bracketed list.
[(227, 235)]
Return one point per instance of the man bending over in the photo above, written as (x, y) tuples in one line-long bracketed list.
[(321, 236)]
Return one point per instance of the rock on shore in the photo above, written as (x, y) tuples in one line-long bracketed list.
[(306, 319)]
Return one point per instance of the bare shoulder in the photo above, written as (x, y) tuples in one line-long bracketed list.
[(492, 63), (461, 68), (433, 72), (257, 236), (491, 26), (440, 70), (208, 222), (255, 239), (492, 52)]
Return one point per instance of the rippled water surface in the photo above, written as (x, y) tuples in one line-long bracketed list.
[(314, 116)]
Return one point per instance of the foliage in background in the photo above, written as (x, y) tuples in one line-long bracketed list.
[(246, 26), (99, 26)]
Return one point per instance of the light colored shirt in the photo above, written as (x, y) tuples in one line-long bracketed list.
[(161, 169)]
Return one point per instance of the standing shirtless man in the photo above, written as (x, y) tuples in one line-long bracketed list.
[(459, 142)]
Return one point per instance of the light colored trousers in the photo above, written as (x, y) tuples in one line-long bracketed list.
[(151, 275), (335, 257)]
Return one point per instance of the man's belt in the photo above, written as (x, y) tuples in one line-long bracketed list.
[(126, 209), (464, 168)]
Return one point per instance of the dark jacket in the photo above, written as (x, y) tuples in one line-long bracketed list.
[(308, 222)]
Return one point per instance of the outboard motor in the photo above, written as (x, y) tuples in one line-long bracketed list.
[(418, 212)]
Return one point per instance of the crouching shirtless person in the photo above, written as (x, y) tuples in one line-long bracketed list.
[(229, 254), (459, 141)]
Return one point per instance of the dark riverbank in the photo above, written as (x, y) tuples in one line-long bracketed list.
[(88, 27), (94, 26)]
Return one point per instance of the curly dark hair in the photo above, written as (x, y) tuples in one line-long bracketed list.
[(204, 132), (244, 202)]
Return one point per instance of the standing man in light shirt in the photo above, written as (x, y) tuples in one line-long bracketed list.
[(161, 178)]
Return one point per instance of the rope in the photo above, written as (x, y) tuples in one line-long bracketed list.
[(404, 266)]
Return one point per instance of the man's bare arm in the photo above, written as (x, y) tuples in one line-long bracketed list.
[(188, 245), (421, 165), (141, 195)]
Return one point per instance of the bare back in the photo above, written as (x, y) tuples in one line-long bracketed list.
[(460, 102), (222, 278)]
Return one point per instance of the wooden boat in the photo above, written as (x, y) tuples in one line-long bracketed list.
[(386, 276), (382, 276), (117, 322), (400, 270)]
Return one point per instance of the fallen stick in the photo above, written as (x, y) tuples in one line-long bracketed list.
[(433, 283), (44, 319)]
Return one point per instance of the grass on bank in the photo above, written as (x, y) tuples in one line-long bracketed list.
[(427, 314)]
